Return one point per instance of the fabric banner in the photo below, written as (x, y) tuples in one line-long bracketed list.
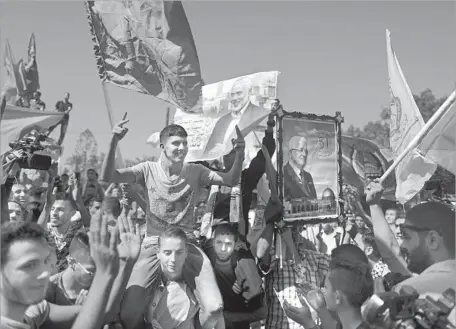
[(18, 121), (361, 159), (148, 47), (439, 145), (245, 101), (405, 123)]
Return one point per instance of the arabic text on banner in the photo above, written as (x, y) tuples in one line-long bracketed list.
[(406, 122), (148, 47), (245, 101)]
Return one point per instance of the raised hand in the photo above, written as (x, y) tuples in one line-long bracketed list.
[(239, 142), (119, 131), (373, 192), (130, 240), (81, 297), (103, 247), (300, 315)]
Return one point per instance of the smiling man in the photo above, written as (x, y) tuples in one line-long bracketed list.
[(173, 189)]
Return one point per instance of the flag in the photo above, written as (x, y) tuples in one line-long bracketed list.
[(29, 73), (362, 159), (148, 47), (17, 122), (405, 123), (439, 145), (9, 63)]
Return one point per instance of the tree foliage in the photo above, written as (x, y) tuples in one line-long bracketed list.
[(378, 131), (85, 155)]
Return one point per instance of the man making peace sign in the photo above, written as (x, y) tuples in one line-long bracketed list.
[(172, 188)]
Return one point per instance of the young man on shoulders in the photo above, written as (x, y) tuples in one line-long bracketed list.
[(172, 192)]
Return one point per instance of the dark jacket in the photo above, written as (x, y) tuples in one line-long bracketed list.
[(249, 181), (293, 188)]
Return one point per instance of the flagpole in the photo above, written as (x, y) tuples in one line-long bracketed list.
[(167, 117), (419, 137), (111, 119)]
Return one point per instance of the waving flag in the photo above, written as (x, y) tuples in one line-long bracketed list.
[(17, 122), (406, 122), (148, 47), (439, 145)]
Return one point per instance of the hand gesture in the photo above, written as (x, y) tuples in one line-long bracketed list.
[(237, 287), (316, 299), (103, 247), (130, 240), (373, 192), (119, 131), (239, 142), (81, 297), (300, 315)]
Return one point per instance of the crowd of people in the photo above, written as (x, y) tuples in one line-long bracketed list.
[(161, 245)]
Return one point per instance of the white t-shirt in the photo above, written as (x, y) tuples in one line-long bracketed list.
[(435, 279), (171, 201)]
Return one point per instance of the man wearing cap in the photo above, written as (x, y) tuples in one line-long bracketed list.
[(428, 239), (298, 183)]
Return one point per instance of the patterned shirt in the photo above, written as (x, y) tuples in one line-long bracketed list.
[(288, 281), (61, 242), (380, 269)]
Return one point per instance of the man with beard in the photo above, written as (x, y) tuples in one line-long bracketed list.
[(428, 240), (173, 189), (298, 183), (242, 113)]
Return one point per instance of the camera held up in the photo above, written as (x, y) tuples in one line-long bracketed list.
[(391, 310), (23, 152)]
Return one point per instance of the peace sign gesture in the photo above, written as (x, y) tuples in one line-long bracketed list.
[(239, 142), (119, 131)]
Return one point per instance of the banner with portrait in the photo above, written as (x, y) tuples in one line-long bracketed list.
[(245, 101), (309, 166)]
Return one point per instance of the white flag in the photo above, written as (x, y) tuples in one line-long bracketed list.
[(406, 122), (439, 145)]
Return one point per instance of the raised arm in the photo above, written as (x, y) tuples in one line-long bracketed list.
[(384, 236), (50, 197), (232, 177), (108, 170)]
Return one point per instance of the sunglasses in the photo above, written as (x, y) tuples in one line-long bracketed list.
[(86, 271)]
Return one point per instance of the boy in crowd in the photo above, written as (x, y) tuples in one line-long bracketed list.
[(172, 189)]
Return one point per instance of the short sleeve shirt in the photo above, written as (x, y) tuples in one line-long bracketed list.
[(171, 201), (34, 318)]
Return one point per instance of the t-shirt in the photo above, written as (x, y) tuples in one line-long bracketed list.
[(226, 277), (171, 201), (62, 106), (435, 279), (34, 318), (56, 293)]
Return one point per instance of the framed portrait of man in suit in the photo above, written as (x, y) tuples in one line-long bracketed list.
[(309, 160)]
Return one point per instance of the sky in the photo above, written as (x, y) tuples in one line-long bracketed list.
[(331, 55)]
